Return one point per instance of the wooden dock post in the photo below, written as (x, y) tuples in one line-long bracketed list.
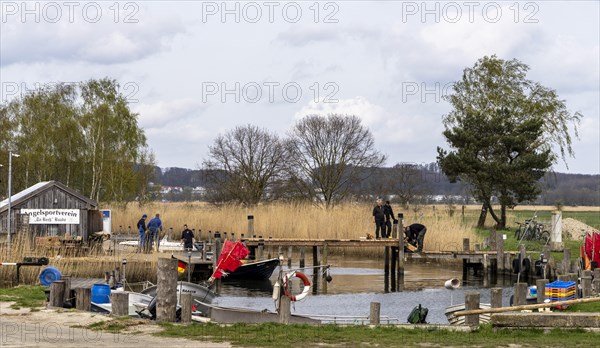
[(67, 299), (496, 297), (465, 261), (540, 285), (315, 268), (500, 252), (520, 297), (566, 263), (261, 248), (289, 257), (250, 226), (386, 269), (400, 270), (57, 294), (301, 257), (374, 313), (285, 311), (472, 302), (166, 292), (323, 263), (119, 301), (186, 307), (393, 268), (83, 299), (586, 284)]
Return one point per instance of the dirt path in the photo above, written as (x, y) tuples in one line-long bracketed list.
[(63, 328)]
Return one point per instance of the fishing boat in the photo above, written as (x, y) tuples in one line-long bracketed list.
[(199, 292), (254, 270), (460, 320)]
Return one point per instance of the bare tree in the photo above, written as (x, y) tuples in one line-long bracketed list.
[(244, 164), (330, 153), (408, 183)]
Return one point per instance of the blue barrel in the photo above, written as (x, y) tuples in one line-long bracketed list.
[(100, 293), (49, 275)]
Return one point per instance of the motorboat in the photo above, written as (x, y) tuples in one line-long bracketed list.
[(199, 292)]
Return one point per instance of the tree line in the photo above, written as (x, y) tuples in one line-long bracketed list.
[(83, 135)]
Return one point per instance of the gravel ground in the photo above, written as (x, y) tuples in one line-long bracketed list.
[(63, 328)]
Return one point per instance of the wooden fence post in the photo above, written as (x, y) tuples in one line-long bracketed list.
[(57, 294), (520, 297), (540, 285), (119, 301), (186, 308), (472, 302), (83, 299), (496, 295), (166, 293), (374, 316)]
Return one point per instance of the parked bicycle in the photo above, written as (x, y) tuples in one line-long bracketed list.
[(531, 229)]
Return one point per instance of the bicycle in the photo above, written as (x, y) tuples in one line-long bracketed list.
[(532, 230)]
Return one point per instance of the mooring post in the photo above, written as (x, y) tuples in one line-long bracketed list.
[(166, 292), (566, 263), (315, 268), (540, 285), (386, 269), (186, 307), (301, 257), (57, 294), (289, 257), (261, 248), (119, 301), (68, 299), (279, 252), (251, 225), (496, 297), (597, 280), (500, 252), (586, 284), (520, 297), (323, 263), (400, 270), (394, 265), (472, 302), (485, 263), (395, 229), (374, 313), (284, 309), (83, 299)]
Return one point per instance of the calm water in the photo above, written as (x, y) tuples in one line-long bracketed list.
[(357, 283)]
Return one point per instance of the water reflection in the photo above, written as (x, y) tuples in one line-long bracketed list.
[(356, 283)]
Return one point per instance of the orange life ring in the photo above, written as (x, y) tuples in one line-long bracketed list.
[(286, 286)]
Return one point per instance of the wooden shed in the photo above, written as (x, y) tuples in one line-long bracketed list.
[(50, 208)]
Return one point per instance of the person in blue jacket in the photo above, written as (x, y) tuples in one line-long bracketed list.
[(154, 229)]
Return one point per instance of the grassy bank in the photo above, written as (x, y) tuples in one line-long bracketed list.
[(274, 335)]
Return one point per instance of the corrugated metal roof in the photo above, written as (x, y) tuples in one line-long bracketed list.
[(23, 193)]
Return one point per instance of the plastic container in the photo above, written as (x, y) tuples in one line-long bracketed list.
[(100, 293), (49, 275)]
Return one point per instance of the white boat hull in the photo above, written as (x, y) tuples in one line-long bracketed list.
[(460, 320)]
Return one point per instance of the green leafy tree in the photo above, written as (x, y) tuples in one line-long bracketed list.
[(501, 130)]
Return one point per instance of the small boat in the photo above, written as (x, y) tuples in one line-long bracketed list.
[(233, 315), (199, 293), (254, 270), (460, 320)]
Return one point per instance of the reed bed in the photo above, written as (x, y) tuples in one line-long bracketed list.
[(305, 221)]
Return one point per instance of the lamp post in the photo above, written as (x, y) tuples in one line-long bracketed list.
[(10, 156)]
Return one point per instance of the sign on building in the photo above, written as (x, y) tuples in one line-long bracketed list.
[(52, 216)]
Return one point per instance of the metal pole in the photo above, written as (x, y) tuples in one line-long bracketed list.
[(10, 156)]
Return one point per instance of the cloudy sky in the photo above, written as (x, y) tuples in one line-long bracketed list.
[(195, 69)]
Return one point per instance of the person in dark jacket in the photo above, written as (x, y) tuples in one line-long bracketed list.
[(389, 217), (141, 226), (187, 238), (415, 234), (379, 218)]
